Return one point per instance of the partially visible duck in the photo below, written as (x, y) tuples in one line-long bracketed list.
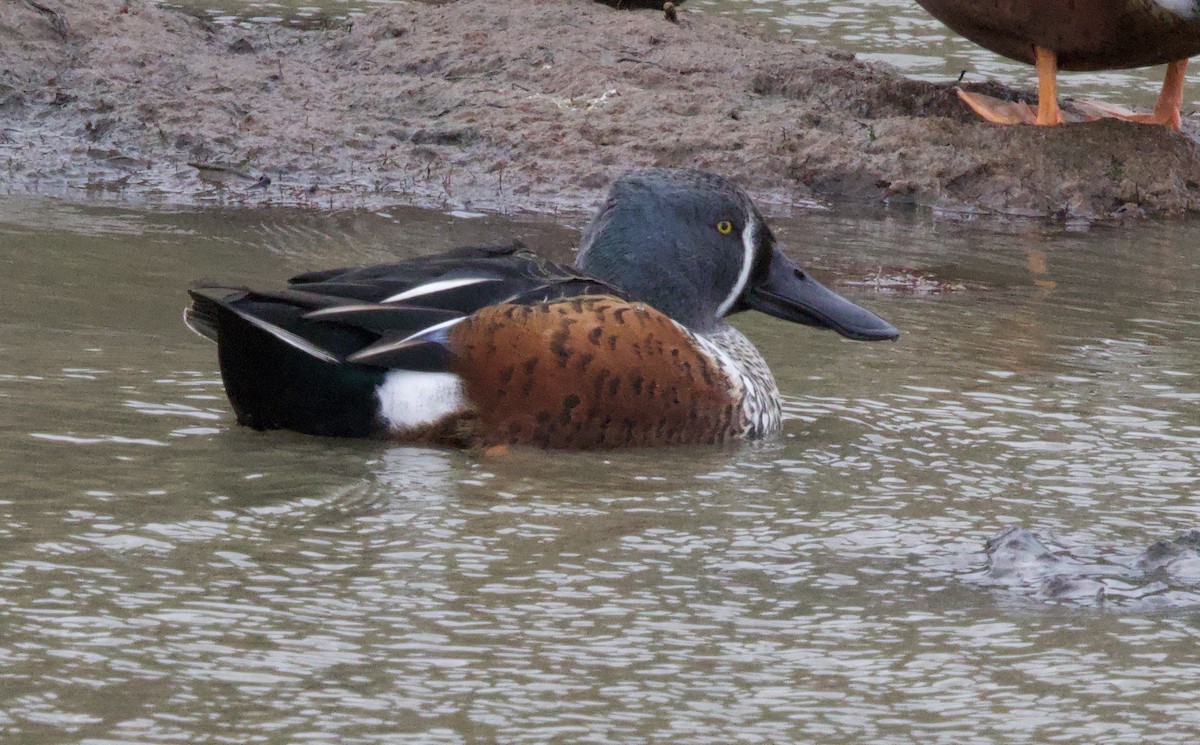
[(647, 4), (1078, 35), (494, 346)]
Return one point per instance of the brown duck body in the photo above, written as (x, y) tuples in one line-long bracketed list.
[(1084, 34), (596, 372)]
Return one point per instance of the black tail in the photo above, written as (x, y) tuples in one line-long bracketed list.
[(201, 316), (275, 385)]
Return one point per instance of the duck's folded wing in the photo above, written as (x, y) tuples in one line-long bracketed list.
[(388, 315)]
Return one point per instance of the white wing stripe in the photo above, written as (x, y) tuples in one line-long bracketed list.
[(435, 327), (377, 349), (287, 337), (340, 310), (440, 285)]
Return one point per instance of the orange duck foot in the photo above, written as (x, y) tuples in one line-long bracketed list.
[(998, 111)]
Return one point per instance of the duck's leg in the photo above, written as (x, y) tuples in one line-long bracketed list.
[(1014, 112), (1047, 72), (1170, 99), (1166, 109)]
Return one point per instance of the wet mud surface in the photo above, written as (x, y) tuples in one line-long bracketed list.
[(524, 106)]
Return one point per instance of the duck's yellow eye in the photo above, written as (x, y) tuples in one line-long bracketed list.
[(724, 227)]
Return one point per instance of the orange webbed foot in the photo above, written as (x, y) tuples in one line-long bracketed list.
[(998, 111)]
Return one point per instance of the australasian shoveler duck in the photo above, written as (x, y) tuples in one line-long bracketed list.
[(495, 346), (1078, 35)]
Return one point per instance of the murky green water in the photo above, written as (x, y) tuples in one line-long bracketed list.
[(168, 576)]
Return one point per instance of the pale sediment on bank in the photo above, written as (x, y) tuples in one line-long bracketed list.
[(523, 105)]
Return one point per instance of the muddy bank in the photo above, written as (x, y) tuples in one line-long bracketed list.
[(523, 105)]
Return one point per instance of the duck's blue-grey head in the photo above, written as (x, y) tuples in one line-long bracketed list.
[(692, 245)]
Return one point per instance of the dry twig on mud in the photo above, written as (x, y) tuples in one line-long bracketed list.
[(57, 22)]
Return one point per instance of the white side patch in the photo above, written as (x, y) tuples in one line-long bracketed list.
[(409, 400), (748, 251)]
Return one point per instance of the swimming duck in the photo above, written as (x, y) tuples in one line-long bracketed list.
[(496, 346), (1078, 35)]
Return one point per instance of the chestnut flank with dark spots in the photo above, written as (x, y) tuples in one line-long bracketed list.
[(570, 392)]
